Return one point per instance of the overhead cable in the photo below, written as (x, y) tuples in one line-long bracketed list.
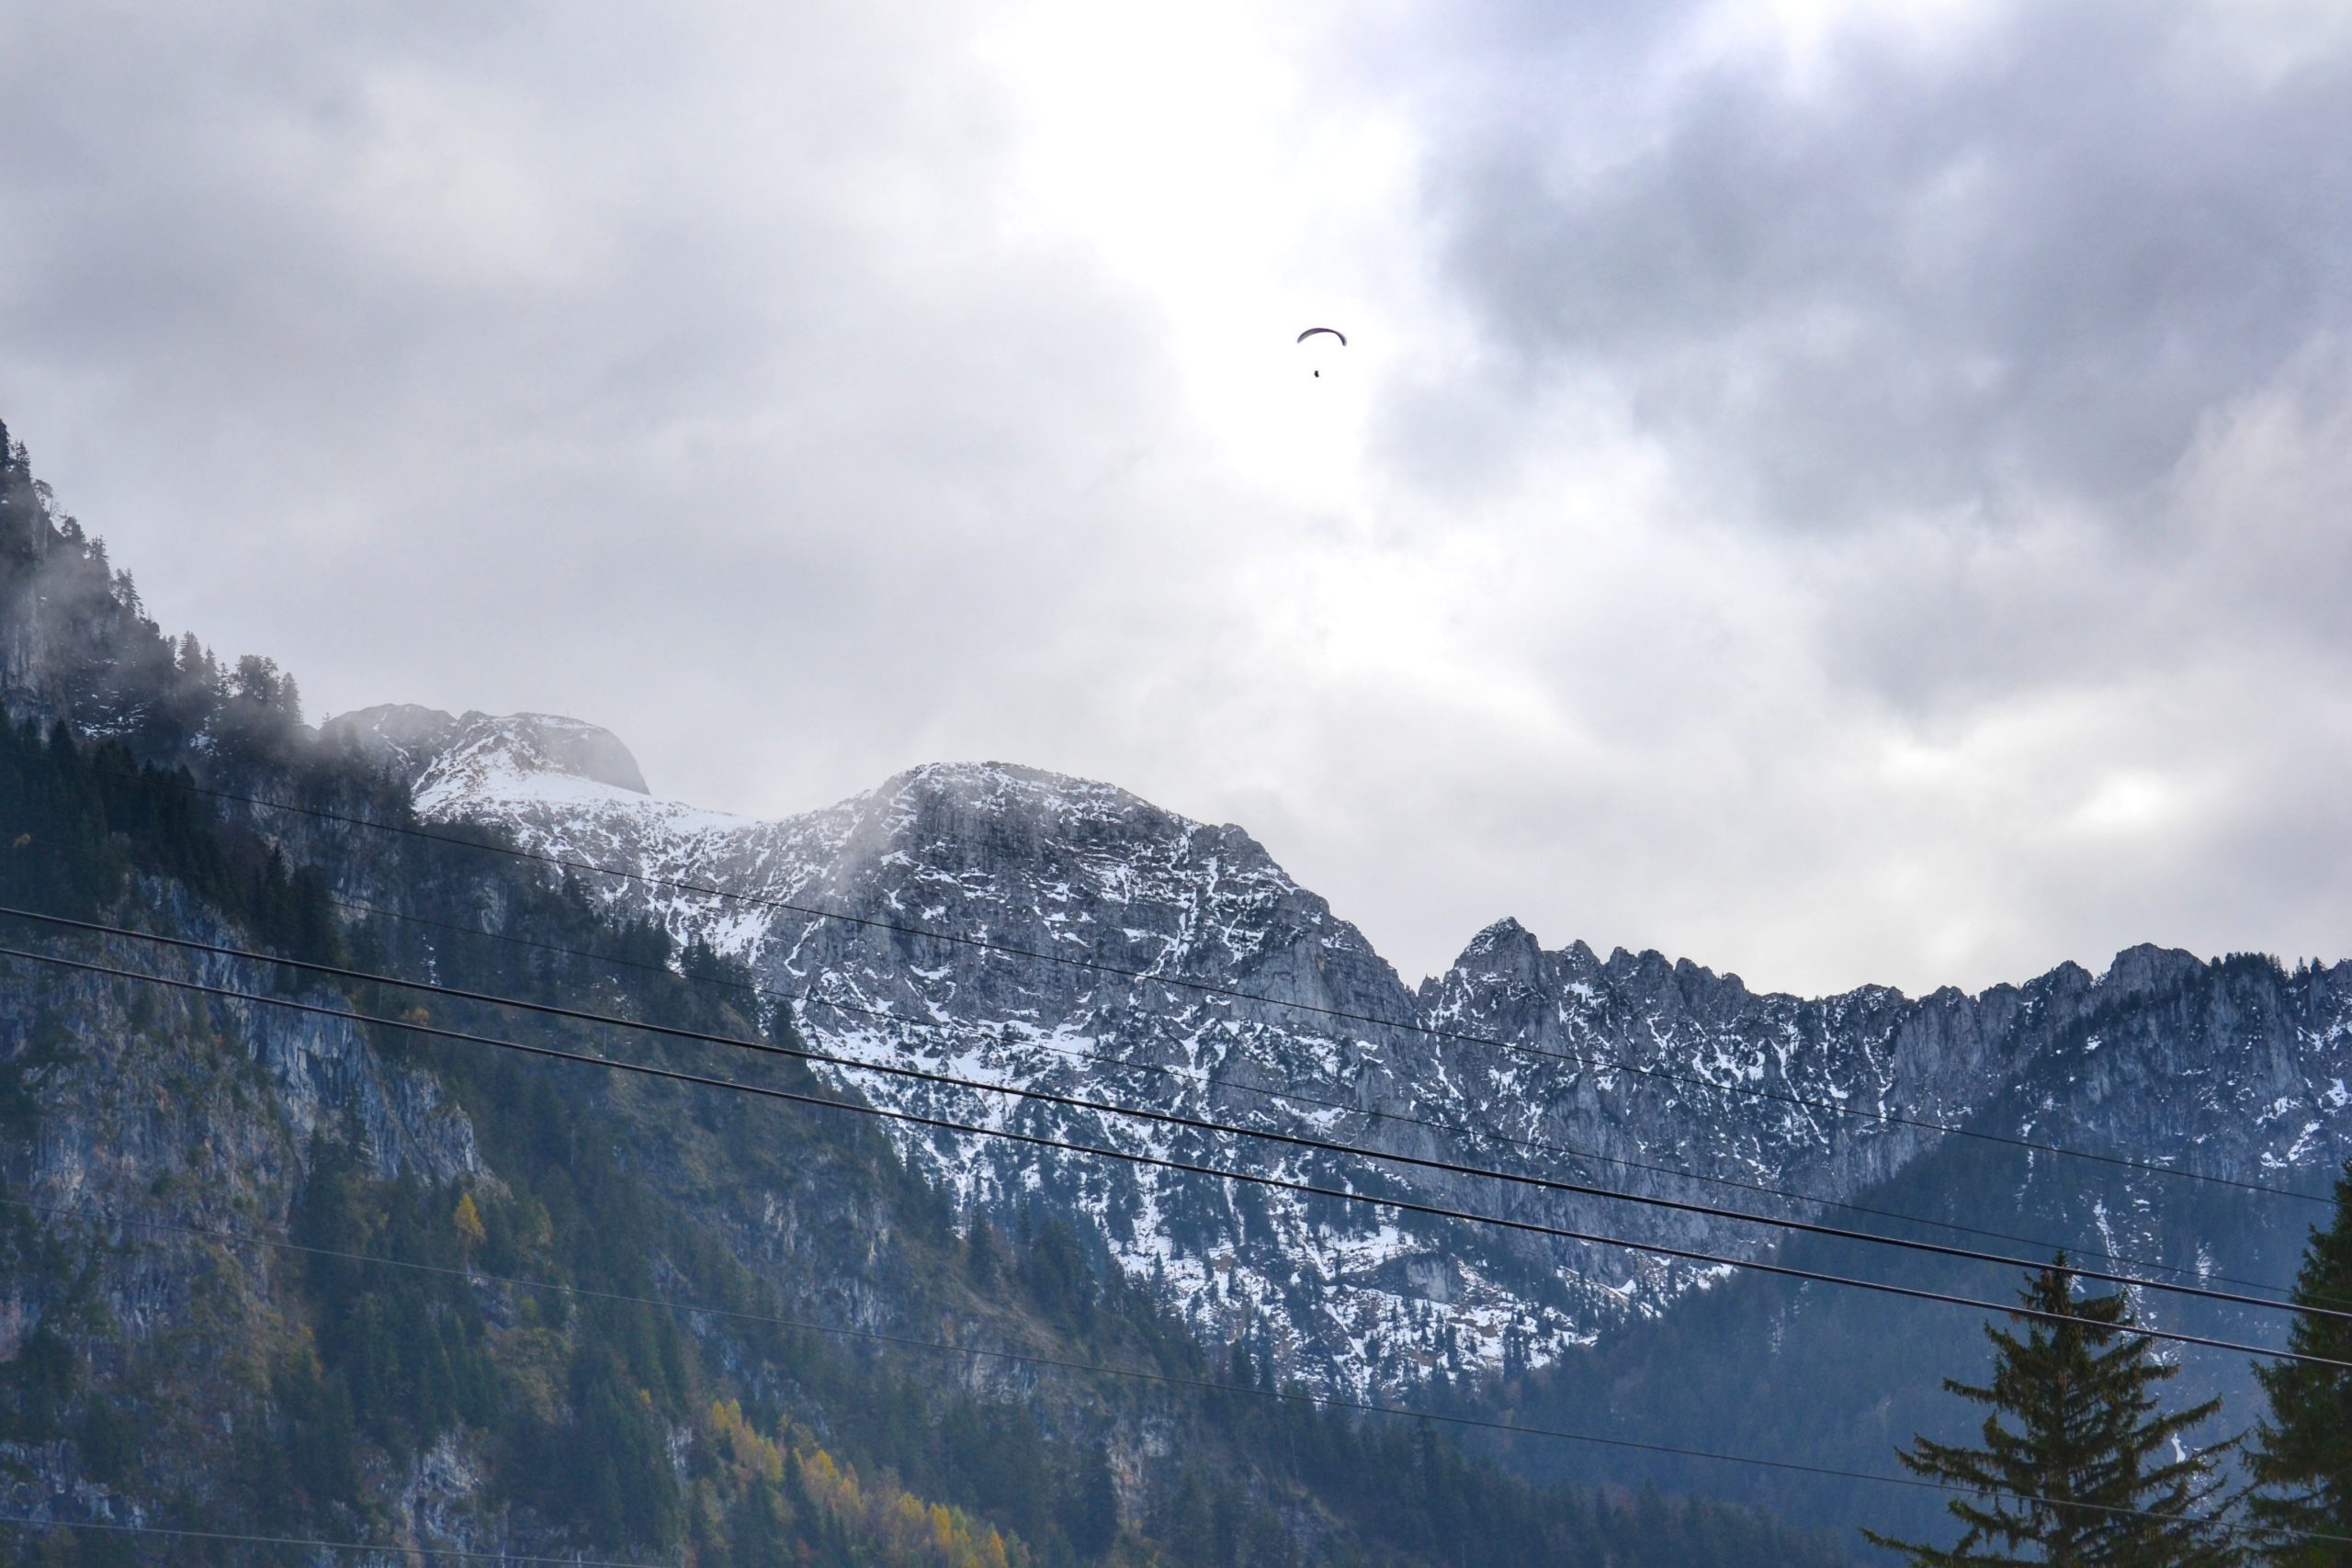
[(1305, 1188), (1201, 1076), (1161, 1118), (1210, 988), (1022, 1358)]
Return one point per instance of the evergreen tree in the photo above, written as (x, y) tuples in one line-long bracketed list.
[(1092, 1519), (2302, 1456), (2070, 1470)]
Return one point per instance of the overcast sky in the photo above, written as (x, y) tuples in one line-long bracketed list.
[(1840, 493)]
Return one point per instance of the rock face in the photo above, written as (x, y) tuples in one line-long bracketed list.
[(1132, 955)]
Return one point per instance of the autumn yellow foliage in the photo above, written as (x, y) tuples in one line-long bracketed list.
[(468, 1220), (740, 1445), (877, 1511)]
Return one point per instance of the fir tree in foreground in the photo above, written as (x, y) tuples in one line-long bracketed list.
[(2301, 1459), (2075, 1456)]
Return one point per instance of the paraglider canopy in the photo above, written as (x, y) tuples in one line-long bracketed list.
[(1330, 332)]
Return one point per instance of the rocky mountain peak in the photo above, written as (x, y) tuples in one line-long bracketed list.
[(1505, 949), (941, 800), (949, 796), (429, 748), (1094, 943), (2146, 968)]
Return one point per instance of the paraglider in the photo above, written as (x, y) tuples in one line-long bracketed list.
[(1332, 331)]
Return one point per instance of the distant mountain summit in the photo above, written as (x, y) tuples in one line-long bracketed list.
[(472, 754), (1093, 943)]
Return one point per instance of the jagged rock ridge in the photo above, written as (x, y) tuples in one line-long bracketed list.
[(1630, 1068)]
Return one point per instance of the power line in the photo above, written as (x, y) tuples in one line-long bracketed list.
[(2270, 1300), (389, 1548), (1202, 1076), (1210, 988), (1163, 1118), (1401, 1206), (1297, 1396)]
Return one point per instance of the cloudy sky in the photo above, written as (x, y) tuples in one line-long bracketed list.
[(1844, 493)]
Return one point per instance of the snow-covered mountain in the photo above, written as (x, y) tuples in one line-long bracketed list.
[(1631, 1072)]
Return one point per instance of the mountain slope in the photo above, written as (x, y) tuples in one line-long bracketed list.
[(1626, 1072)]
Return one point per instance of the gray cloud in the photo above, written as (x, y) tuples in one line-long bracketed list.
[(660, 368), (1883, 522), (2019, 268)]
